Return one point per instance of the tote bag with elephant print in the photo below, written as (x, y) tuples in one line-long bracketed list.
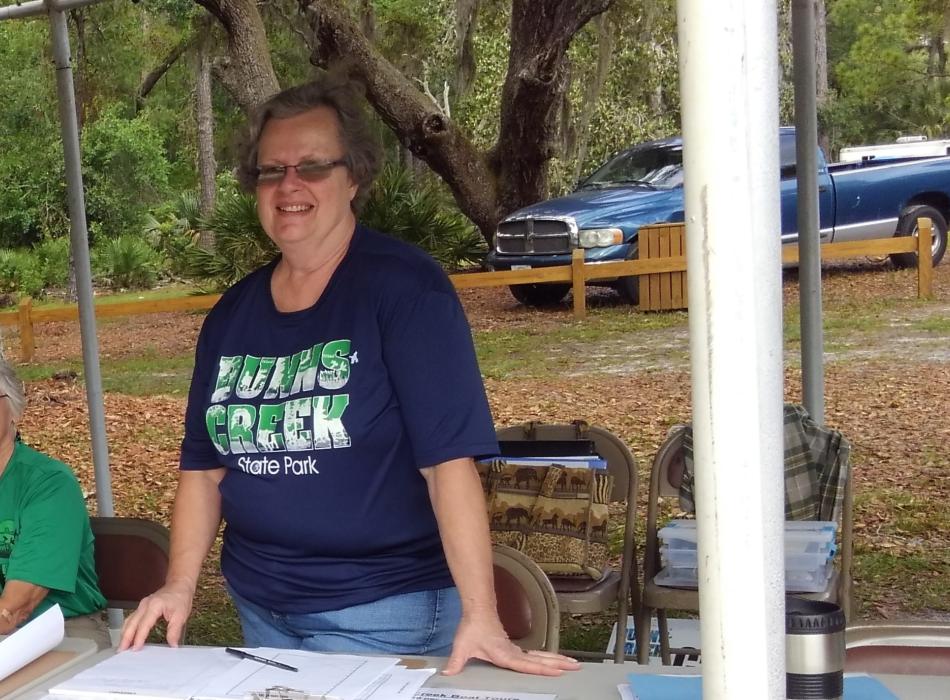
[(555, 514)]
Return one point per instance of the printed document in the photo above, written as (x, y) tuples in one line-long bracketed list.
[(459, 694), (209, 673), (154, 673), (398, 684), (339, 676), (31, 641)]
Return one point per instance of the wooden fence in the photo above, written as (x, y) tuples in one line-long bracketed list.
[(663, 270)]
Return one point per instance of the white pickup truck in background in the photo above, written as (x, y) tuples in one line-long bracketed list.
[(904, 147)]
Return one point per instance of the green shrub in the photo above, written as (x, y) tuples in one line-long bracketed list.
[(53, 257), (125, 168), (417, 210), (413, 209), (240, 244), (172, 229), (127, 262), (20, 273)]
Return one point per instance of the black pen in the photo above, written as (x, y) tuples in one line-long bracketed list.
[(259, 659)]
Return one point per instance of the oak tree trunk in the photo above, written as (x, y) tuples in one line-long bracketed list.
[(247, 72), (821, 72), (204, 117), (534, 88)]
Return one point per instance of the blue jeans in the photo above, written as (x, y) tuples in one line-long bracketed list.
[(412, 623)]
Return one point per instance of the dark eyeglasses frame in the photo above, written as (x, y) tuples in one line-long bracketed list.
[(307, 170)]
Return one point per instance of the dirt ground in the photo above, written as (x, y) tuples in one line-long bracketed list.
[(887, 390)]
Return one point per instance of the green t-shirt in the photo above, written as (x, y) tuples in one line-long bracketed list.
[(45, 538)]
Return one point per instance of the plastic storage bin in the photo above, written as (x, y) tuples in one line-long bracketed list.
[(809, 553)]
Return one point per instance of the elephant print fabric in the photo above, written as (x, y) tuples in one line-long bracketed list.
[(556, 515)]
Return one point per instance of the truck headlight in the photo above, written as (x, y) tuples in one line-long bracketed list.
[(599, 237)]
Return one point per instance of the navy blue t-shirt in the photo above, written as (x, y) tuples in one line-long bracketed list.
[(323, 418)]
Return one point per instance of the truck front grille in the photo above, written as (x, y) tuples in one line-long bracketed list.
[(533, 236)]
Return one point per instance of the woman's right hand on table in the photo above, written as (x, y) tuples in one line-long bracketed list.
[(172, 602)]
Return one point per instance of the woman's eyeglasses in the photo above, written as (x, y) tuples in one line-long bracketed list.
[(308, 171)]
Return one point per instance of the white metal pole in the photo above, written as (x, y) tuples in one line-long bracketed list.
[(729, 87)]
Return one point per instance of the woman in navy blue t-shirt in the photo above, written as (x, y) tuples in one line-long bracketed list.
[(334, 413)]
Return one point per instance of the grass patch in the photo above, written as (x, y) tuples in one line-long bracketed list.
[(589, 632), (541, 351), (172, 291), (140, 376), (214, 622), (920, 582), (934, 324), (909, 515), (841, 319)]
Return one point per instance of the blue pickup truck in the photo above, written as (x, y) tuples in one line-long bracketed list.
[(644, 185)]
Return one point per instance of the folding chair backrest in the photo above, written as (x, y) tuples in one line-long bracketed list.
[(669, 464), (131, 558), (620, 462), (527, 603)]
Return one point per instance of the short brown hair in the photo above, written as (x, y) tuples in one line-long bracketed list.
[(336, 91)]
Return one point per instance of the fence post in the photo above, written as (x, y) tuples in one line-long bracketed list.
[(27, 344), (925, 267), (578, 281)]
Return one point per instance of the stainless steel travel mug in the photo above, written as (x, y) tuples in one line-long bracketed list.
[(814, 650)]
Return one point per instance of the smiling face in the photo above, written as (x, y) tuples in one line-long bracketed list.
[(305, 216)]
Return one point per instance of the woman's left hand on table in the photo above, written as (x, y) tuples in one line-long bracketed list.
[(486, 640)]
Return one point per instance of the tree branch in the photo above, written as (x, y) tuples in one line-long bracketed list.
[(413, 117), (156, 73)]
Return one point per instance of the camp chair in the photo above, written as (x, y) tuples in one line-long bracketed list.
[(131, 559), (577, 594), (920, 648), (527, 603), (666, 478)]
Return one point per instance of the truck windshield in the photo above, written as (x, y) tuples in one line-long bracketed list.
[(658, 167)]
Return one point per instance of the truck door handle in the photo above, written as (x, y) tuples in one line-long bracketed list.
[(823, 188)]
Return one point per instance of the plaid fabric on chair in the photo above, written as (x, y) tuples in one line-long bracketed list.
[(816, 468)]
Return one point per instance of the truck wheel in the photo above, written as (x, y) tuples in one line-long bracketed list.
[(907, 226), (629, 287), (539, 294)]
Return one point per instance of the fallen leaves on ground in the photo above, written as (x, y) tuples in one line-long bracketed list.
[(893, 412)]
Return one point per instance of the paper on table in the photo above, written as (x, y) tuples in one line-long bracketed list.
[(398, 684), (458, 694), (154, 673), (31, 641), (655, 686), (626, 692), (330, 675), (860, 686)]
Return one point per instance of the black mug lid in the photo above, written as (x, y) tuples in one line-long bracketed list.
[(812, 617)]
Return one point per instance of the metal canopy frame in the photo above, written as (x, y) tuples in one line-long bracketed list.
[(728, 57)]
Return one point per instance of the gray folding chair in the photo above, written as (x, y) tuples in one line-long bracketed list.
[(621, 587), (666, 478)]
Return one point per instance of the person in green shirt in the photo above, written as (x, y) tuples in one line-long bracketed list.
[(46, 544)]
